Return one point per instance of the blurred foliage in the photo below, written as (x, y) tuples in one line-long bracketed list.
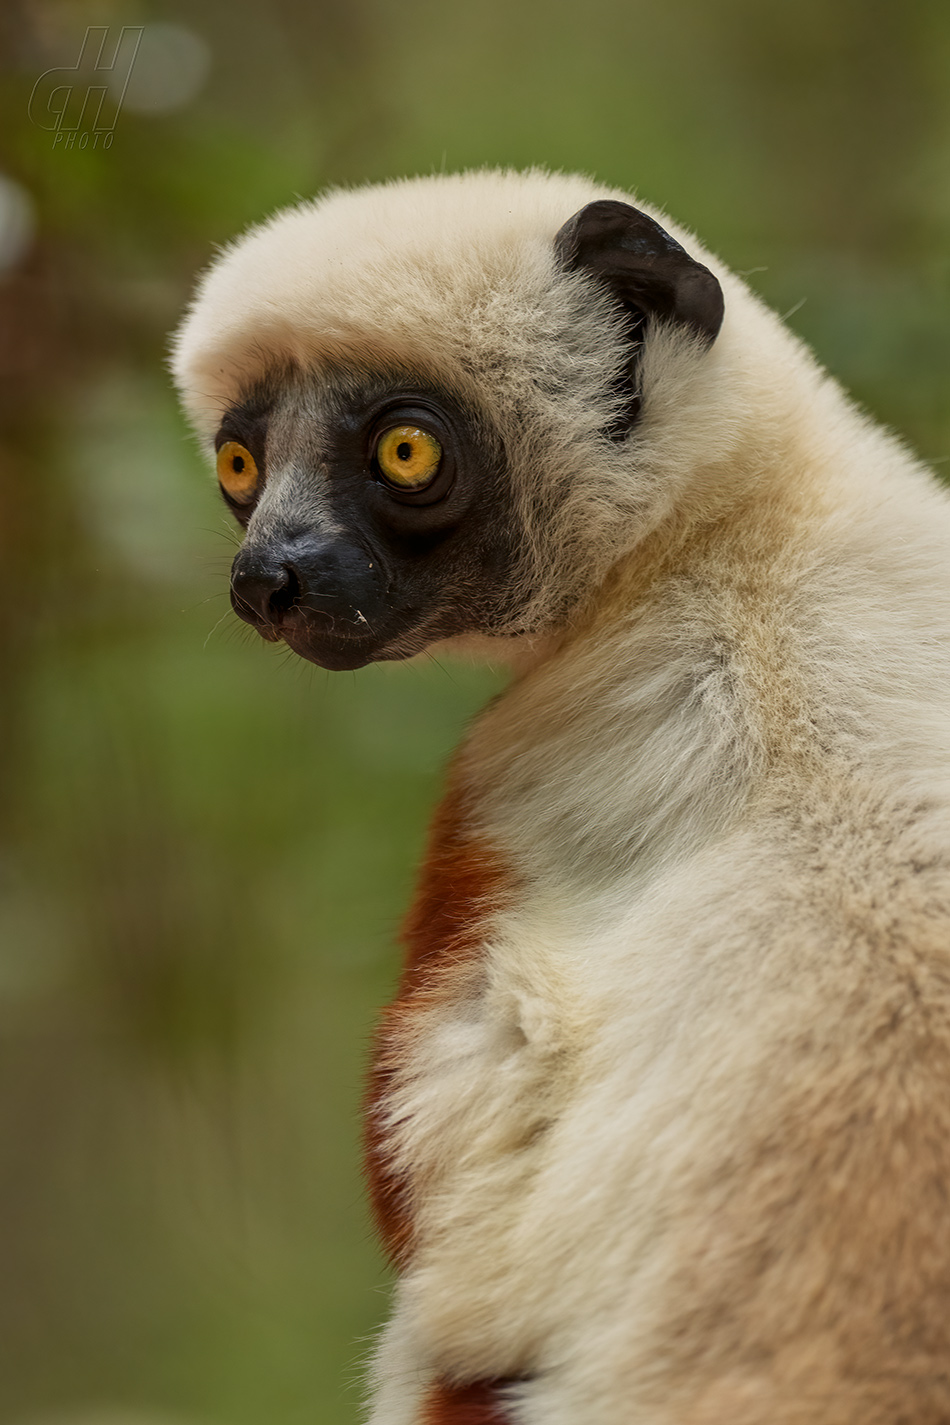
[(204, 847)]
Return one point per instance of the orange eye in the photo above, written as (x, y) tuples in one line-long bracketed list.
[(408, 457), (237, 472)]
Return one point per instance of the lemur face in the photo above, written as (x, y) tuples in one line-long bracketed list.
[(442, 407), (378, 511)]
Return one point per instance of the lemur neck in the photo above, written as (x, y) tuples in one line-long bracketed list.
[(646, 729)]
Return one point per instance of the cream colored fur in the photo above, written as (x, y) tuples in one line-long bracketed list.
[(686, 1128)]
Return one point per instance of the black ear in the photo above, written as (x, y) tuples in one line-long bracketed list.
[(642, 265), (647, 271)]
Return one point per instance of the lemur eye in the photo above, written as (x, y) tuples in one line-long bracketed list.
[(237, 472), (408, 457)]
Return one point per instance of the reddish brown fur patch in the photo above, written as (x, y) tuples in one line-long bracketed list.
[(475, 1404), (462, 883)]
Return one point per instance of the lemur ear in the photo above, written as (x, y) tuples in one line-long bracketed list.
[(642, 265)]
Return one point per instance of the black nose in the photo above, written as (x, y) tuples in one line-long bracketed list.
[(263, 594), (285, 584)]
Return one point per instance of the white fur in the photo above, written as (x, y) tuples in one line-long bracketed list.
[(681, 1129)]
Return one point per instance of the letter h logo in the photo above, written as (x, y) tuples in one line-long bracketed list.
[(80, 103)]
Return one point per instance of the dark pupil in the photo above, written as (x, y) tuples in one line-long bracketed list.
[(237, 464), (404, 450)]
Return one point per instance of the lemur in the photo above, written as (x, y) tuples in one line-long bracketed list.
[(658, 1123)]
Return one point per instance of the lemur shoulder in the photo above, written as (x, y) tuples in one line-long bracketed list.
[(659, 1122)]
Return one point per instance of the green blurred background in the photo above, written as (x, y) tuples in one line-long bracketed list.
[(205, 845)]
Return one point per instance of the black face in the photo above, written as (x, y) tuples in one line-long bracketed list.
[(378, 512)]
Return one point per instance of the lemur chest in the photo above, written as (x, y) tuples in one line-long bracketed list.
[(484, 1076), (476, 1056)]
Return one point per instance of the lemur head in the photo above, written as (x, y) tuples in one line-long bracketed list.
[(444, 406)]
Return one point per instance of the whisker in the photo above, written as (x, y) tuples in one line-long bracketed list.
[(213, 630)]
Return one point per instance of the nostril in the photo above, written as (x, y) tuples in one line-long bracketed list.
[(283, 599), (264, 594)]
